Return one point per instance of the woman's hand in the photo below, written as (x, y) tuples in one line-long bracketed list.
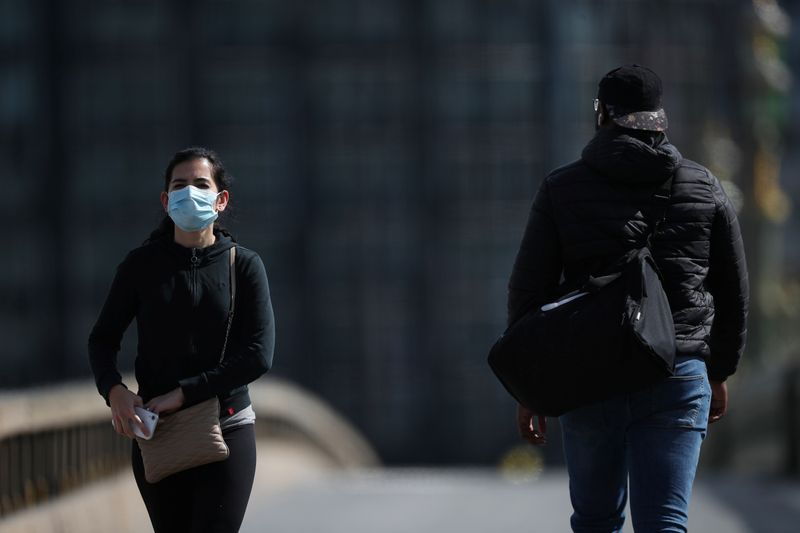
[(167, 403), (527, 426), (122, 402)]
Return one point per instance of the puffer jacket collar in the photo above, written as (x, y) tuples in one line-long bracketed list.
[(632, 157)]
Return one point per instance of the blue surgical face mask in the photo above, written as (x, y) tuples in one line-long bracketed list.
[(192, 209)]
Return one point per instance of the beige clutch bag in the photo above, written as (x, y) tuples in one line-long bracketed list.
[(192, 436), (185, 439)]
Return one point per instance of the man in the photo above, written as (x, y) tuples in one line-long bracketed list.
[(585, 215)]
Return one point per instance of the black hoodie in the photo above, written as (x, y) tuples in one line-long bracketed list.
[(590, 212), (180, 298)]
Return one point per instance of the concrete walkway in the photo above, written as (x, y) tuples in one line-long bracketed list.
[(481, 501)]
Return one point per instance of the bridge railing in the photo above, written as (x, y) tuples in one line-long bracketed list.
[(58, 438)]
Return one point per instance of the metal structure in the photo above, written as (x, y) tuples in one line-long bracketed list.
[(387, 153)]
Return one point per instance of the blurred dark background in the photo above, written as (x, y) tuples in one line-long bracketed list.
[(386, 153)]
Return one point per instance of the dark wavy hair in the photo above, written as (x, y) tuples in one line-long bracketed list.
[(223, 180)]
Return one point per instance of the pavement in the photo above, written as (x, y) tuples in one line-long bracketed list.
[(484, 501)]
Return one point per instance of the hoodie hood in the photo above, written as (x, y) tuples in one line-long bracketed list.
[(632, 157)]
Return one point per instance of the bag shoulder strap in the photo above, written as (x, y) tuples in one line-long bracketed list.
[(232, 285), (655, 216), (660, 203)]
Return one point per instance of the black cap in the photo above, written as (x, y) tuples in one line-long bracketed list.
[(632, 96)]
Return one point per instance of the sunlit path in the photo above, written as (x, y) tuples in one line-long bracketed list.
[(467, 501)]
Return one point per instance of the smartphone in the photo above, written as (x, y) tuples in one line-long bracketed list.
[(149, 419)]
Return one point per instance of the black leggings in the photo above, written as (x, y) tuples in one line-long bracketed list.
[(208, 498)]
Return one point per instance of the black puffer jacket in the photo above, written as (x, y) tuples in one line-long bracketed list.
[(588, 213)]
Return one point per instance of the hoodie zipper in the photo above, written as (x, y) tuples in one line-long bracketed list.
[(193, 269)]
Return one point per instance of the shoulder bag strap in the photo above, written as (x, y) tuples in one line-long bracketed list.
[(656, 215), (660, 203), (232, 285)]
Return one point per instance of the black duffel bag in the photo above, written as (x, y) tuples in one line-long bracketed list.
[(615, 334), (612, 335)]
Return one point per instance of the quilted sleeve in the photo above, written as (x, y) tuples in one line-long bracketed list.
[(728, 283), (538, 265)]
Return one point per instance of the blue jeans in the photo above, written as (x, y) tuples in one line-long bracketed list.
[(652, 436)]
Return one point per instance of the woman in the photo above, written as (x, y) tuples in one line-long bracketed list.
[(176, 286)]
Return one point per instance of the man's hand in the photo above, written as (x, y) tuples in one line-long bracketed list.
[(167, 403), (527, 427), (719, 401), (122, 402)]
